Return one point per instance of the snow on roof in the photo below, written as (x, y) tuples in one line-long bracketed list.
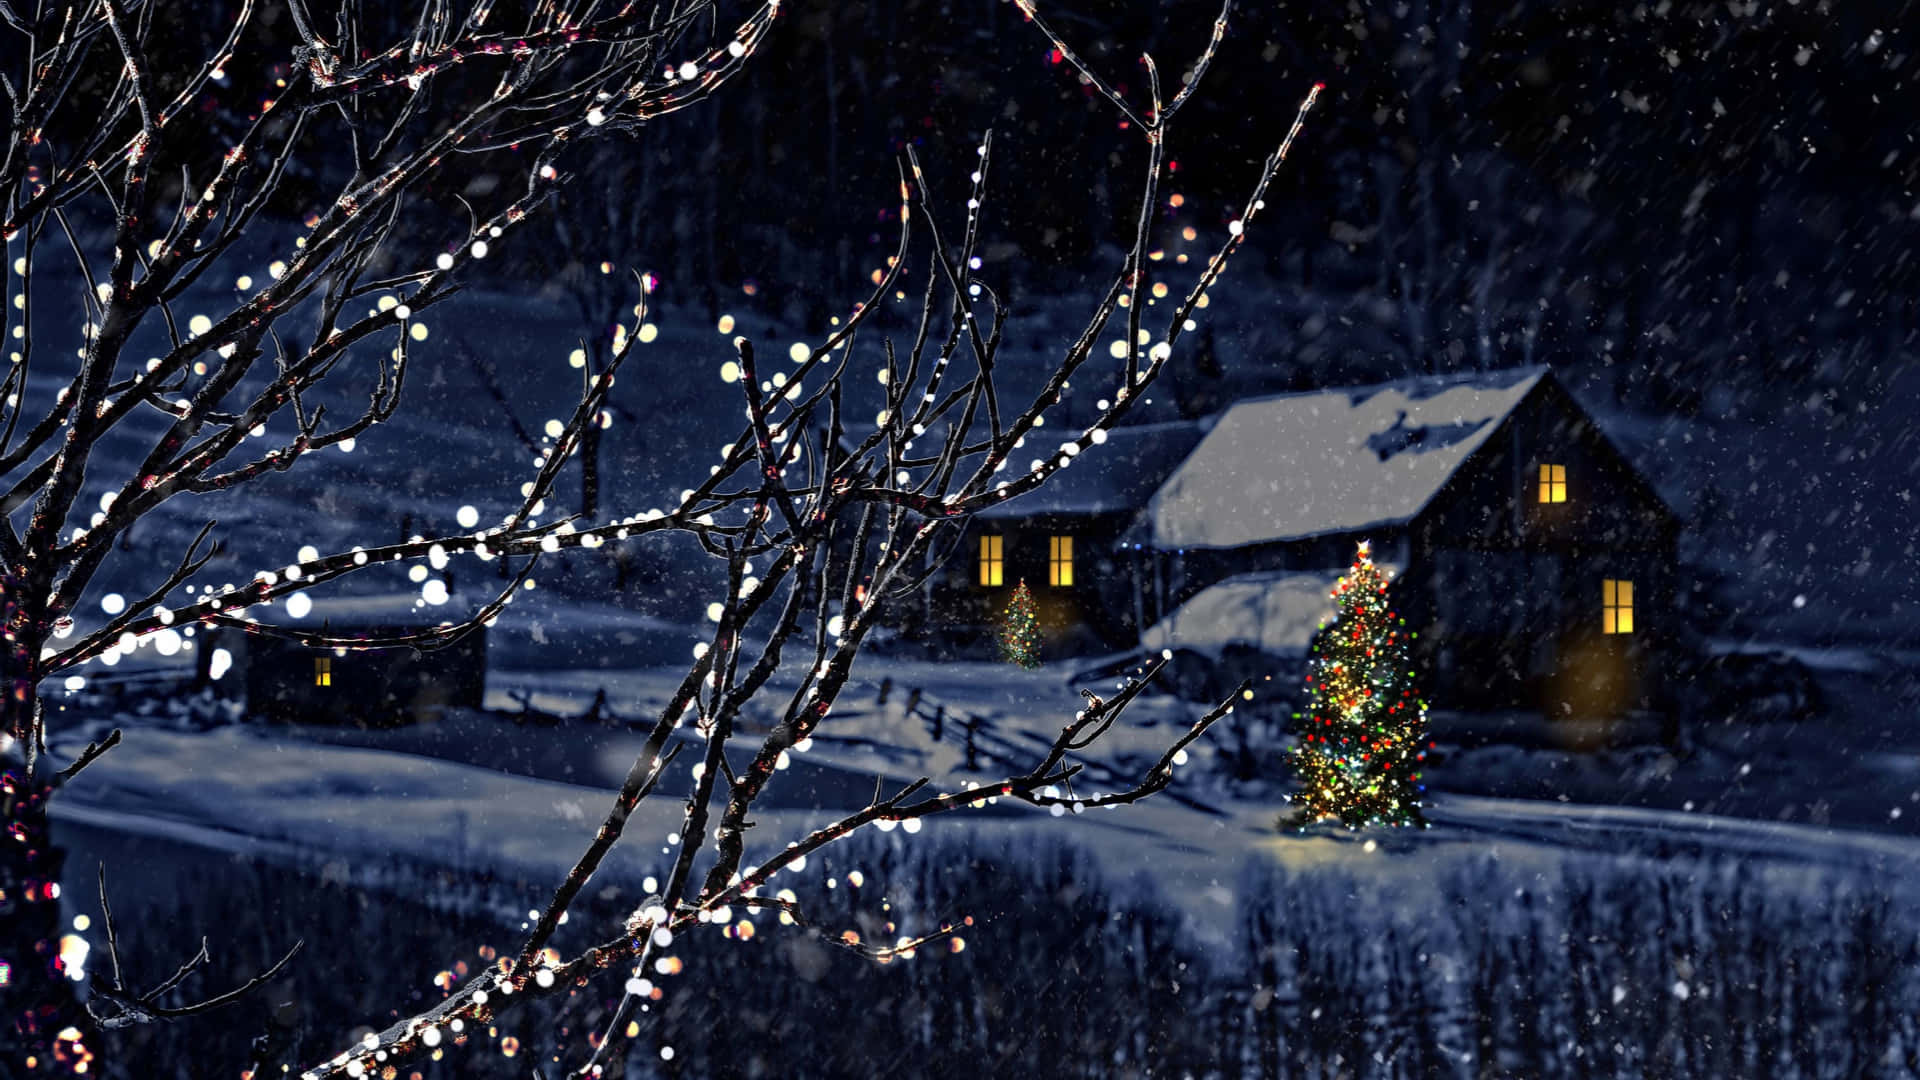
[(378, 609), (1115, 476), (1276, 612), (1330, 461)]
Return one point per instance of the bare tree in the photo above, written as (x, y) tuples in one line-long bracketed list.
[(936, 455), (128, 176), (817, 530)]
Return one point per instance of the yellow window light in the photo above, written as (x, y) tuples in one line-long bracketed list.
[(993, 564), (1060, 561), (1553, 483), (1616, 606)]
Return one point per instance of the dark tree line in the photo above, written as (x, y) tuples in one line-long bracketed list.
[(1671, 189)]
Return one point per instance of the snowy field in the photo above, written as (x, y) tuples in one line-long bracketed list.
[(1182, 936), (481, 788)]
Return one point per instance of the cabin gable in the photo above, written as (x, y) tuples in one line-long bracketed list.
[(1545, 569), (1547, 479)]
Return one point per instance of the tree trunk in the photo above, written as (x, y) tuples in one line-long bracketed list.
[(37, 1000), (37, 996)]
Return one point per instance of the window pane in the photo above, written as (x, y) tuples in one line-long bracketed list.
[(992, 566), (1606, 592), (1553, 483), (1060, 560)]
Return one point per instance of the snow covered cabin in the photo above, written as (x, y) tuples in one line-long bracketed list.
[(286, 681), (1535, 562)]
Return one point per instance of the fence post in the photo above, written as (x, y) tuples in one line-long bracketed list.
[(973, 760), (597, 712), (913, 701), (886, 687), (939, 721)]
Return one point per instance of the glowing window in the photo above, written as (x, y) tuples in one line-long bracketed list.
[(1060, 560), (1553, 483), (992, 560), (1616, 606), (323, 671)]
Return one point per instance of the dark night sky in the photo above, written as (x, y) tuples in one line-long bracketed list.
[(1701, 183), (1701, 212)]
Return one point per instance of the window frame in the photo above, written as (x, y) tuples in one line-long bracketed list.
[(1060, 561), (990, 568), (323, 670), (1616, 606), (1552, 486)]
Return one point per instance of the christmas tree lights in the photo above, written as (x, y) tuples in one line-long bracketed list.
[(1363, 736), (1020, 630)]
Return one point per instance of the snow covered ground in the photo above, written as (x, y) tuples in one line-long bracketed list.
[(522, 799), (1516, 932)]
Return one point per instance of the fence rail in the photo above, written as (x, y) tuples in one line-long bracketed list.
[(984, 746)]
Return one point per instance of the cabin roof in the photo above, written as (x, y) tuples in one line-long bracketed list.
[(1115, 477), (380, 609), (1291, 466)]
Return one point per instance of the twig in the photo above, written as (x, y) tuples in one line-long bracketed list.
[(87, 757)]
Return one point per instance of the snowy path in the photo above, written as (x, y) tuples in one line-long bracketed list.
[(1668, 833)]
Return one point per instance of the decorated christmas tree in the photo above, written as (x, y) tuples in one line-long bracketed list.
[(1363, 735), (1020, 630)]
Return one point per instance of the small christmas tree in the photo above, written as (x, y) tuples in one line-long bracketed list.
[(1364, 733), (1020, 630)]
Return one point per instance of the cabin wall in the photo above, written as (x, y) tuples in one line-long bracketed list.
[(955, 612), (375, 687), (1511, 587)]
